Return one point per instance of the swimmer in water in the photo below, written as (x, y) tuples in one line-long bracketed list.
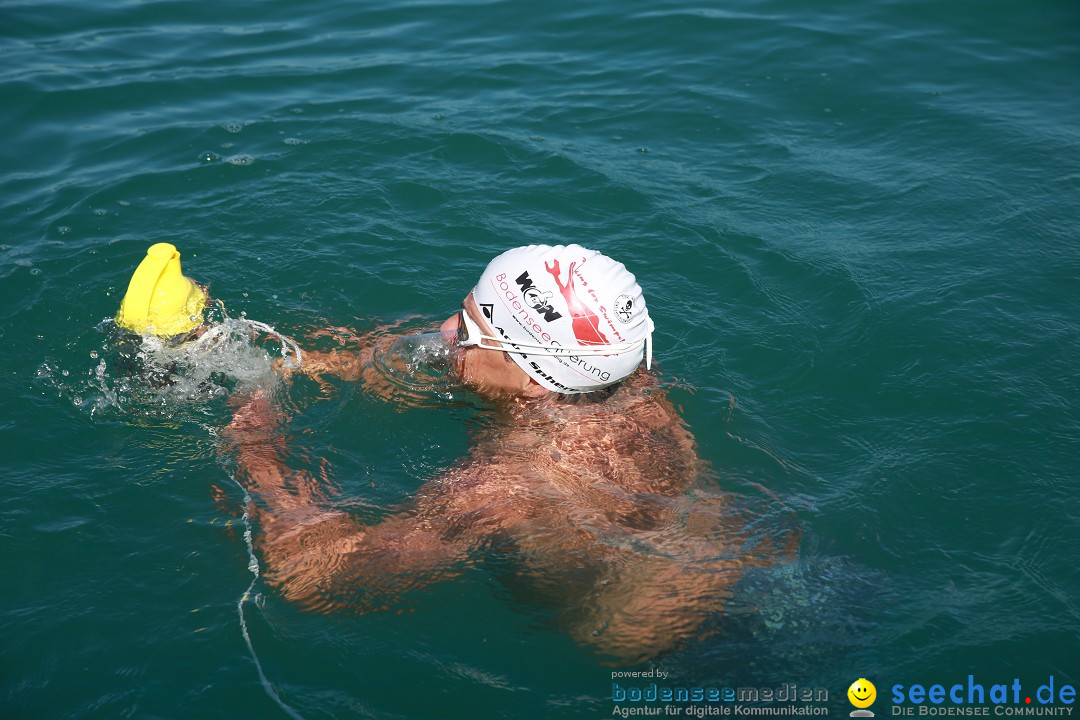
[(585, 482)]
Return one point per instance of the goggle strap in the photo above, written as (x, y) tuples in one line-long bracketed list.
[(648, 346)]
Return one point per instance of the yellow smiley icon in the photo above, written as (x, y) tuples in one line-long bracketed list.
[(862, 693)]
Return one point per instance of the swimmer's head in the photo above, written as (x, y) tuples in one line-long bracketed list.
[(160, 300), (573, 319)]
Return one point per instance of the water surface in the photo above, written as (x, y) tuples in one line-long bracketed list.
[(853, 225)]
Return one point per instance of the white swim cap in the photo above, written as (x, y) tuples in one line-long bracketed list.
[(540, 299)]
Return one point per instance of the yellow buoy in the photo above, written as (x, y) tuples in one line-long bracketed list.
[(159, 299)]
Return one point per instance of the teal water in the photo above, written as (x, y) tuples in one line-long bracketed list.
[(853, 224)]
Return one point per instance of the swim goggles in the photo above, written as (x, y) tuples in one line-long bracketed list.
[(470, 335)]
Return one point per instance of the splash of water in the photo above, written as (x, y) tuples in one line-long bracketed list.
[(421, 367), (145, 375)]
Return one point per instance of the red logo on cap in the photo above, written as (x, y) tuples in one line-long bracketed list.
[(586, 323)]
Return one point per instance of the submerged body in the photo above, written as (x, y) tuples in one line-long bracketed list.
[(582, 487), (592, 501)]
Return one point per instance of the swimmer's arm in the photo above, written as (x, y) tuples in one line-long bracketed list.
[(329, 561), (321, 557), (353, 360), (347, 366)]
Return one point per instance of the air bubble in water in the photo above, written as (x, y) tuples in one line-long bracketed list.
[(241, 159), (63, 229), (101, 212), (233, 127), (294, 141), (35, 271)]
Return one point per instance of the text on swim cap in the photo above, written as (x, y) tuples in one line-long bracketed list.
[(537, 299), (520, 309)]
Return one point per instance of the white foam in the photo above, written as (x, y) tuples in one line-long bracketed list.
[(147, 376)]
